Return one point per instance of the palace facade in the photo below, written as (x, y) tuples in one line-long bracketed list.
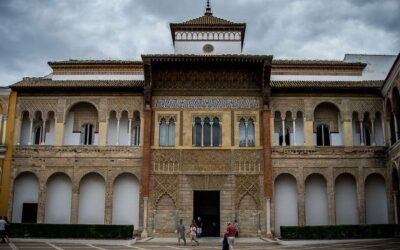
[(209, 132)]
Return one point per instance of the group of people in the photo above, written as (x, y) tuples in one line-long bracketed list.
[(195, 231), (4, 229)]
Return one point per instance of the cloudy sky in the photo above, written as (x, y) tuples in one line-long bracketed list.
[(33, 32)]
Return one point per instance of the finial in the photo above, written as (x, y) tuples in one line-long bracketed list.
[(208, 9)]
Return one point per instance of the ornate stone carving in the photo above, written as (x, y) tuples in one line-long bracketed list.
[(125, 104), (248, 161), (164, 185), (33, 105), (206, 160), (206, 103), (167, 117), (247, 185), (165, 161), (207, 182), (285, 105), (363, 106)]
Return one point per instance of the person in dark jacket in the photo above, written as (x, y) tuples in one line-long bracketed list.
[(225, 245)]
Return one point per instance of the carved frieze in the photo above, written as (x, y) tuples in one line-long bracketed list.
[(363, 106), (206, 160), (206, 103), (207, 182), (285, 105), (248, 161), (33, 105), (125, 104)]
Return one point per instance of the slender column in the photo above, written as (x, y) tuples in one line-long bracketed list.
[(283, 131), (362, 133), (395, 127), (108, 206), (211, 139), (246, 134), (383, 119), (130, 131), (75, 204), (202, 134), (268, 209), (373, 132), (144, 231), (30, 132), (118, 120), (396, 216), (294, 131), (41, 204), (193, 135), (4, 129), (43, 138)]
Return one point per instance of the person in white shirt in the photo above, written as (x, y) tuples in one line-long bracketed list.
[(3, 225)]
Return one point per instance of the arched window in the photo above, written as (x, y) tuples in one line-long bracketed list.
[(367, 136), (38, 134), (207, 132), (87, 134), (216, 132), (323, 135), (171, 132), (197, 131), (246, 133)]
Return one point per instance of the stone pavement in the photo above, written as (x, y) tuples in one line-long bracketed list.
[(388, 244)]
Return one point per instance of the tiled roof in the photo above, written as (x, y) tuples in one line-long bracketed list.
[(41, 83), (315, 62), (216, 58), (208, 20), (72, 61), (326, 84)]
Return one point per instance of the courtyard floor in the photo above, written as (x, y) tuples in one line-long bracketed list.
[(389, 244)]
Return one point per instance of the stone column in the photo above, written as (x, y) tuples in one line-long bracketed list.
[(294, 131), (300, 197), (360, 196), (330, 188), (266, 115), (211, 128), (75, 203), (43, 138), (283, 130), (395, 208), (272, 130), (41, 203), (108, 205), (309, 132), (362, 133), (348, 131), (59, 133), (202, 134), (4, 130), (395, 127), (373, 142), (130, 131), (246, 133), (30, 131), (146, 165), (118, 121)]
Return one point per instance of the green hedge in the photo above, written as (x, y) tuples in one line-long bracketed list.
[(339, 232), (28, 230)]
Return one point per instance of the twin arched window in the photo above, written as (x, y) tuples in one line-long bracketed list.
[(246, 133), (323, 135), (206, 133), (167, 132)]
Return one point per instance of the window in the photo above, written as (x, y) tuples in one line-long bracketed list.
[(287, 137), (136, 129), (167, 132), (367, 136), (38, 134), (246, 133), (323, 135), (206, 133), (87, 134)]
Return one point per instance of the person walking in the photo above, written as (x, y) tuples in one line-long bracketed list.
[(181, 233), (236, 225), (230, 231), (3, 224), (193, 233), (225, 245)]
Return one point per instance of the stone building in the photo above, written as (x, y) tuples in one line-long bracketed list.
[(209, 132)]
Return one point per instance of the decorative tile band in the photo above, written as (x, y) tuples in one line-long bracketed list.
[(207, 103)]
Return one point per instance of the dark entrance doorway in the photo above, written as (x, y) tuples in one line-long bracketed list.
[(206, 206), (29, 212)]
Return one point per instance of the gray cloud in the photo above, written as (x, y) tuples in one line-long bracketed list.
[(33, 32)]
